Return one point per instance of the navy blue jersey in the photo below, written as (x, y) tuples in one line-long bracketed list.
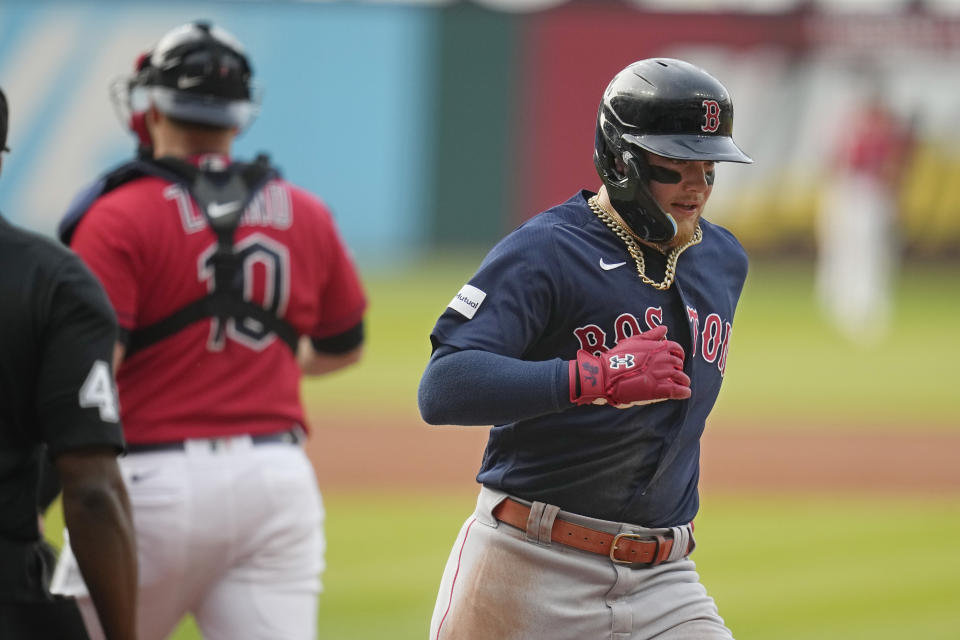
[(561, 282)]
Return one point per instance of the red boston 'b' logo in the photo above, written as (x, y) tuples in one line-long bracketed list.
[(711, 116)]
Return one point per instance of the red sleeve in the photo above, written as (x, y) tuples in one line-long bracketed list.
[(342, 300), (107, 244)]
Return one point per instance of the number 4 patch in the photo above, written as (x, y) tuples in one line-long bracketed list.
[(98, 391)]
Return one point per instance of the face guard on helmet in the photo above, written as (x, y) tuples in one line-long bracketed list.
[(670, 108), (197, 73)]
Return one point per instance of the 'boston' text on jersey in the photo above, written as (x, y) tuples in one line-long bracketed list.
[(711, 341)]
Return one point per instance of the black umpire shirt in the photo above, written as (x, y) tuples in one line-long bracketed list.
[(57, 334)]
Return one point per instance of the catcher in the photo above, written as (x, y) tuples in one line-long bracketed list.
[(229, 283)]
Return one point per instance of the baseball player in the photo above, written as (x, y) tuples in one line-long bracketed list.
[(228, 283), (57, 398), (857, 222), (594, 337)]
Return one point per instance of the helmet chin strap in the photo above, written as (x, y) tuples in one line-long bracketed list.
[(632, 199)]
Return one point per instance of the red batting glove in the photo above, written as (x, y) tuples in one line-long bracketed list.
[(641, 369)]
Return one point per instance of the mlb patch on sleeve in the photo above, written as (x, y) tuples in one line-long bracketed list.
[(467, 301)]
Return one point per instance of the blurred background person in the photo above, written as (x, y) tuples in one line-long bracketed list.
[(57, 399), (857, 228)]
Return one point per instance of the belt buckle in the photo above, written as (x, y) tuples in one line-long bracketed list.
[(638, 537)]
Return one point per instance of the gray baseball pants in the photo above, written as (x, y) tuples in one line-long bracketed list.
[(506, 583)]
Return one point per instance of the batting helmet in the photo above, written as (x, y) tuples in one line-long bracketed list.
[(196, 73), (670, 108)]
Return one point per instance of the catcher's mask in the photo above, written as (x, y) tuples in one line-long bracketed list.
[(196, 73), (670, 108)]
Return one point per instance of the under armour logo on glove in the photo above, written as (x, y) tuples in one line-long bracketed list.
[(641, 369)]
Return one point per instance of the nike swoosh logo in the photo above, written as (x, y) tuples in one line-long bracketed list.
[(606, 266), (140, 477), (217, 209), (186, 82)]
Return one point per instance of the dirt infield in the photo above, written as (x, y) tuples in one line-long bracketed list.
[(412, 455)]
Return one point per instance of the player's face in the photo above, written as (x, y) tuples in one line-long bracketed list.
[(685, 199)]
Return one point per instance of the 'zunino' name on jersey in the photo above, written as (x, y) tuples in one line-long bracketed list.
[(270, 207), (713, 339)]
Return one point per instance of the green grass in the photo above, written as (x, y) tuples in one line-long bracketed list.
[(787, 367), (386, 556), (791, 568), (841, 568)]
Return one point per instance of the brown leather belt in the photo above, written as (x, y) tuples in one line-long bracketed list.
[(636, 549)]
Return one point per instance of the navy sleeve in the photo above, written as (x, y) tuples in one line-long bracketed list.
[(506, 305), (479, 388)]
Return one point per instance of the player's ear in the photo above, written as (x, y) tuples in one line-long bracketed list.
[(152, 117)]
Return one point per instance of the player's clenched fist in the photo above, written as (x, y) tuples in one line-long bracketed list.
[(641, 369)]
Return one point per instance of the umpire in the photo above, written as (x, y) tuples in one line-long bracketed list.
[(57, 397)]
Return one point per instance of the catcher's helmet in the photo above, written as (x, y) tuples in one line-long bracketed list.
[(670, 108), (196, 73)]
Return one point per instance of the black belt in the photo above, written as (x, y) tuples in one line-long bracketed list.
[(291, 436)]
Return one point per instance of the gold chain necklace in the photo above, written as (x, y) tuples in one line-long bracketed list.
[(620, 229)]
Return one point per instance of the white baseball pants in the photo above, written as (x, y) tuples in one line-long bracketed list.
[(227, 530)]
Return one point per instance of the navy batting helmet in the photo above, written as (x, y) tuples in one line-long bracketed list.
[(196, 73), (668, 107)]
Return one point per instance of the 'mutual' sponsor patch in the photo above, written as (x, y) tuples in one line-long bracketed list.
[(468, 300)]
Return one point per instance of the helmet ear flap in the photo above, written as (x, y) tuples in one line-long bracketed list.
[(632, 199), (634, 167)]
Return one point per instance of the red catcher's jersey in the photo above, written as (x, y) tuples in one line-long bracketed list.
[(150, 246)]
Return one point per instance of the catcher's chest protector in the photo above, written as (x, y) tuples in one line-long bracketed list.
[(222, 196)]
